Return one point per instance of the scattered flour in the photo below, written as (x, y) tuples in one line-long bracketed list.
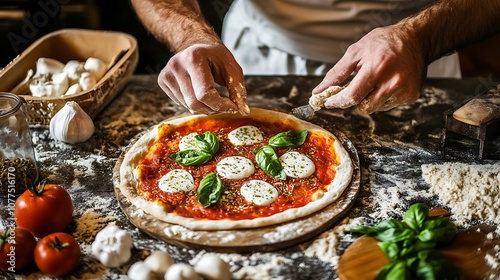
[(471, 191)]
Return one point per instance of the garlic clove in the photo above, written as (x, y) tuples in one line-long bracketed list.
[(87, 81), (74, 89), (48, 66), (74, 69), (96, 67), (71, 124), (60, 84)]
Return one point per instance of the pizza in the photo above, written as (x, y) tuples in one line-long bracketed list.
[(227, 171)]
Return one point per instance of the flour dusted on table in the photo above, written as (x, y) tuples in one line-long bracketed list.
[(472, 191)]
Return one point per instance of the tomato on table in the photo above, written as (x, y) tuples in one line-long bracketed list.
[(44, 209), (57, 254), (16, 249)]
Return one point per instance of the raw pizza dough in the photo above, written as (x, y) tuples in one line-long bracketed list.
[(129, 177)]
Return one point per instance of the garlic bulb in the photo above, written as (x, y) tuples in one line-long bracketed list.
[(71, 124)]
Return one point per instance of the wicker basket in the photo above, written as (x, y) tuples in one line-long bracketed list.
[(119, 50)]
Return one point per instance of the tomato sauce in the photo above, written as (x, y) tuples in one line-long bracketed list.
[(293, 192)]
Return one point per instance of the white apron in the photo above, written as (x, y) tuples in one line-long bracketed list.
[(304, 37)]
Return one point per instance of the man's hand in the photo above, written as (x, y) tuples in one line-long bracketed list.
[(389, 70), (189, 80)]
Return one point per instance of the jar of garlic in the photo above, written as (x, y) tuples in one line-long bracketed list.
[(18, 168)]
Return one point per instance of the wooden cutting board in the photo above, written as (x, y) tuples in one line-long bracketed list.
[(364, 258)]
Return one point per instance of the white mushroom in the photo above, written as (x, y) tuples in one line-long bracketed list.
[(74, 89), (60, 84), (96, 67), (38, 87), (181, 271), (74, 69), (87, 81), (159, 262), (212, 267), (48, 66), (140, 271)]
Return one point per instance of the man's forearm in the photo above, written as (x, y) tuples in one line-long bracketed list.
[(179, 24), (449, 25)]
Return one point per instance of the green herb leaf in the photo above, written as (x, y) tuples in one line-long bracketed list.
[(438, 229), (207, 142), (210, 190), (392, 230), (391, 249), (395, 270), (432, 264), (415, 247), (416, 215), (191, 157), (362, 229), (288, 139), (268, 160)]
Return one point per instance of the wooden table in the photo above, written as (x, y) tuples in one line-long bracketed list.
[(391, 146)]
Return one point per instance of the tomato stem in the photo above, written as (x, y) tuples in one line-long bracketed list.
[(58, 245), (37, 190), (4, 237)]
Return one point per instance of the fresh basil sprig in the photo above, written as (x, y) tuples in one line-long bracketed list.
[(208, 145), (191, 157), (288, 139), (411, 245), (207, 142), (268, 160), (210, 189)]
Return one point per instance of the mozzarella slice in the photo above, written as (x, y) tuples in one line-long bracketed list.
[(297, 165), (245, 135), (188, 142), (177, 180), (259, 192), (235, 167)]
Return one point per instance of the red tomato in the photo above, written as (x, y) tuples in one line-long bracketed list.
[(44, 209), (16, 249), (57, 254)]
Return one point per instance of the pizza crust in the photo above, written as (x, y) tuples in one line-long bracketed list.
[(129, 178)]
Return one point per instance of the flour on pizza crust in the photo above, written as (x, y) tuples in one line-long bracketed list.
[(129, 178)]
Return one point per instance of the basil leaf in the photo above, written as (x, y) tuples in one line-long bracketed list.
[(210, 190), (438, 229), (432, 264), (288, 139), (362, 229), (191, 157), (391, 249), (268, 160), (396, 270), (417, 246), (392, 230), (416, 215), (207, 142)]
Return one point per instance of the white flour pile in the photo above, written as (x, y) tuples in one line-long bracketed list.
[(471, 191)]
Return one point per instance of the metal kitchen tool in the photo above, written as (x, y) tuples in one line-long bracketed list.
[(306, 112), (478, 118)]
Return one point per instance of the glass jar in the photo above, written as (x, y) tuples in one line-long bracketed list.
[(18, 168)]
